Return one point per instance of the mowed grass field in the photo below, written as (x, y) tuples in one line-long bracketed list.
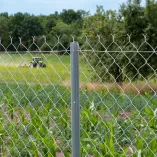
[(14, 68)]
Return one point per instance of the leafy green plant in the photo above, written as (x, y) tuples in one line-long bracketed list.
[(43, 127)]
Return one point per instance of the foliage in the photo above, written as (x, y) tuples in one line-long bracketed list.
[(35, 129), (25, 26), (132, 18), (106, 23), (4, 31)]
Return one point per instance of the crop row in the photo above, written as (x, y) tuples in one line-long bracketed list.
[(36, 121)]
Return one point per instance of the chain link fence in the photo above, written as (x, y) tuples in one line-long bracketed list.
[(117, 98)]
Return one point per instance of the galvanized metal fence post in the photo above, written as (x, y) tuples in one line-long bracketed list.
[(75, 102)]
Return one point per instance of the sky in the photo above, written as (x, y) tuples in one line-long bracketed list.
[(46, 7)]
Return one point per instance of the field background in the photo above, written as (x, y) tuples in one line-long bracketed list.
[(34, 99), (13, 67)]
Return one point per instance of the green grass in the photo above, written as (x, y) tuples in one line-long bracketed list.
[(57, 70)]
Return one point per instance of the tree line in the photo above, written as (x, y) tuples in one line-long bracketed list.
[(26, 26), (132, 18)]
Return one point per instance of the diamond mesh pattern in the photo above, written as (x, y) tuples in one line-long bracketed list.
[(117, 98), (35, 100)]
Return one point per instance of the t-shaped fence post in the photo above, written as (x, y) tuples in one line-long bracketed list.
[(75, 98)]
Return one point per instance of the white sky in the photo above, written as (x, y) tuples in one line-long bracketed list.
[(46, 7)]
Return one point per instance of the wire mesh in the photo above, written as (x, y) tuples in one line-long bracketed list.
[(117, 97), (35, 98)]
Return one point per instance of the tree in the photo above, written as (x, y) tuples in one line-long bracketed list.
[(103, 63), (137, 22), (3, 27), (64, 31), (25, 26), (48, 22), (4, 34), (151, 17), (15, 24), (70, 16), (4, 14), (132, 19), (30, 26)]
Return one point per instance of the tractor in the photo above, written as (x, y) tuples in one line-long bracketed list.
[(37, 62)]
